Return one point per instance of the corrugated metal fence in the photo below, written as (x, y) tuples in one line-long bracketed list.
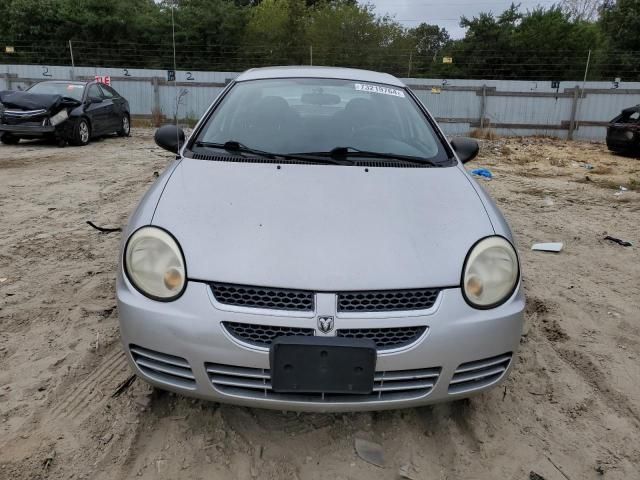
[(523, 108)]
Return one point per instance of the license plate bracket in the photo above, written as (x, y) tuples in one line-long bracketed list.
[(302, 364)]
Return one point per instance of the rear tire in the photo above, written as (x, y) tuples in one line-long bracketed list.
[(9, 139), (125, 126), (81, 134)]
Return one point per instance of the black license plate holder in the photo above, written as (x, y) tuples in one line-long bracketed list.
[(337, 365)]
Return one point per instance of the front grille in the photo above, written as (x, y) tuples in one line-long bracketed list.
[(262, 335), (262, 297), (23, 117), (163, 368), (24, 113), (386, 338), (479, 374), (387, 300), (255, 383)]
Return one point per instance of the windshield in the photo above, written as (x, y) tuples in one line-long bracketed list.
[(308, 115), (71, 90)]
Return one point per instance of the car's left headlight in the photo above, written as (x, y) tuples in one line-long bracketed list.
[(490, 273), (154, 264)]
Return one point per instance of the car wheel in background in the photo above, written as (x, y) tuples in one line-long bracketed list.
[(9, 139), (125, 126), (81, 132)]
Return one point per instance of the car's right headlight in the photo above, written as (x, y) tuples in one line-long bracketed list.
[(154, 264), (490, 273)]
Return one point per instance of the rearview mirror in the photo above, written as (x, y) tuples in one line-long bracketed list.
[(169, 137), (466, 148), (320, 99)]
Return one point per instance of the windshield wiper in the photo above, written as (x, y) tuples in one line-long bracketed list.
[(233, 146), (343, 152)]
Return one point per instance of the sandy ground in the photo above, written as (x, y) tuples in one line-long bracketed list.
[(570, 410)]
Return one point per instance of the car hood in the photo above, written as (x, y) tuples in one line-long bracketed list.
[(35, 101), (322, 227)]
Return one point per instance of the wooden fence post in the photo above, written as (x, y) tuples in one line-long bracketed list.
[(156, 95), (483, 106), (574, 109)]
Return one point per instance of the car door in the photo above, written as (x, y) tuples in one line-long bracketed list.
[(114, 120), (99, 112)]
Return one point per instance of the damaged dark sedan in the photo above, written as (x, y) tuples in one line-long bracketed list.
[(623, 133), (64, 111)]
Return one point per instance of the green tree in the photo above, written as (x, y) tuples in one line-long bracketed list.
[(542, 44), (620, 23), (427, 42), (345, 33), (208, 32), (275, 32)]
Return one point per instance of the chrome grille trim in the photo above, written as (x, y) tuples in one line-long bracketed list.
[(255, 383), (479, 374), (238, 371), (486, 363), (164, 368), (170, 359)]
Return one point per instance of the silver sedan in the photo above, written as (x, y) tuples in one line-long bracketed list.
[(317, 245)]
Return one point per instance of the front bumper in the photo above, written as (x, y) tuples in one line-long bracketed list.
[(187, 336), (27, 130), (617, 141)]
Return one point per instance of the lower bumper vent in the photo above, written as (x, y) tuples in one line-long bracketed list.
[(479, 374), (386, 338), (262, 335), (255, 383), (163, 368)]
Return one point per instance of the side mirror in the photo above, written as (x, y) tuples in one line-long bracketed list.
[(466, 148), (95, 100), (170, 138)]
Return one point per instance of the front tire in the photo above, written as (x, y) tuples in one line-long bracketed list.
[(9, 139), (125, 126), (81, 133)]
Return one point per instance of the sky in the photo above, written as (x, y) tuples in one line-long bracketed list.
[(446, 13)]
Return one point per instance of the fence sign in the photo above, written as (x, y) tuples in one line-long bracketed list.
[(103, 79)]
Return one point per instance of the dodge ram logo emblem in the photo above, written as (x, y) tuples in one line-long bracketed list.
[(325, 324)]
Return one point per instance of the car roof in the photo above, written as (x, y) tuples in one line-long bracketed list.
[(319, 72), (74, 82)]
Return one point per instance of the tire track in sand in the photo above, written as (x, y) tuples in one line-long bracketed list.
[(83, 394)]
